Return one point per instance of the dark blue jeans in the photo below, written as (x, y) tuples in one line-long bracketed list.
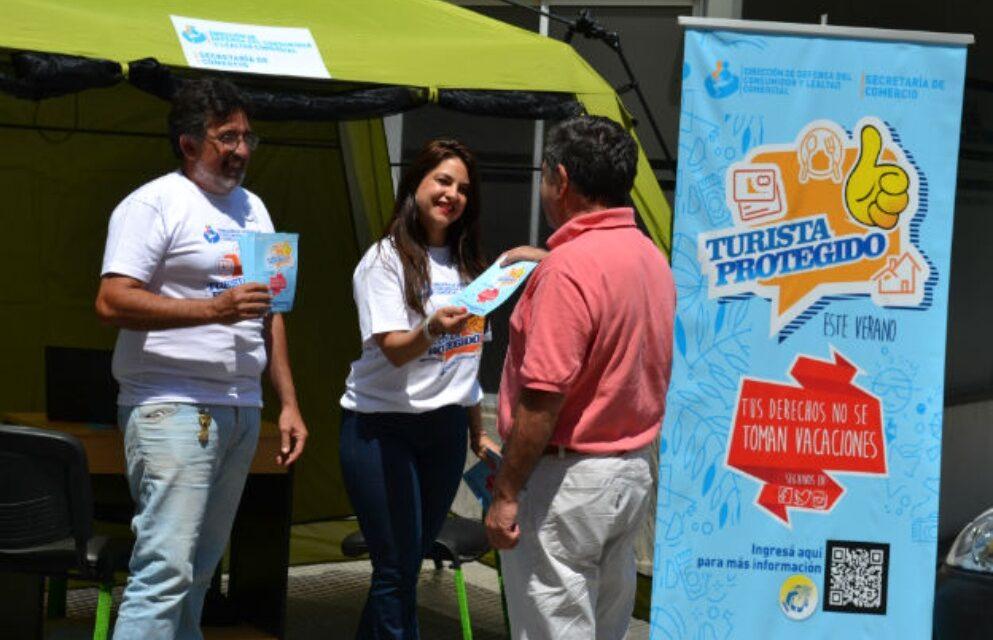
[(401, 472)]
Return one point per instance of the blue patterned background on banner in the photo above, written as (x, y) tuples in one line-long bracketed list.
[(799, 134)]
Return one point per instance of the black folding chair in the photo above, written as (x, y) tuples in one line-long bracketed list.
[(46, 515)]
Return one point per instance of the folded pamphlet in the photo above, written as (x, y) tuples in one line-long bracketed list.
[(479, 477), (493, 287), (272, 259)]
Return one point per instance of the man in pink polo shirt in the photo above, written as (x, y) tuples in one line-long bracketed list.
[(582, 396)]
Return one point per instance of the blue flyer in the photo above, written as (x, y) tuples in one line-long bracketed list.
[(801, 448), (272, 259), (493, 287), (479, 478)]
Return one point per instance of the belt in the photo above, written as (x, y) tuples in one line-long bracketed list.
[(557, 450), (561, 450)]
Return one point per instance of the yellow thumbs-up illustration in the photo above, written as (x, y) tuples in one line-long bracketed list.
[(876, 191)]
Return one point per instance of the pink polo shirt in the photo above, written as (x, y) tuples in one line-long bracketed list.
[(594, 323)]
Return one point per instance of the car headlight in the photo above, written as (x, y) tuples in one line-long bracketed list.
[(973, 548)]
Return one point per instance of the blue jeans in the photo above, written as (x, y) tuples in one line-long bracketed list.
[(186, 494), (401, 472)]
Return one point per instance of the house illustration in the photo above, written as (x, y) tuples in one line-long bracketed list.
[(899, 276)]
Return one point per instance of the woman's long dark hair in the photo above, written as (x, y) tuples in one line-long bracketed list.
[(408, 236)]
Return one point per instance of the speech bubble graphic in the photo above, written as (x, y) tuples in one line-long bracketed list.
[(808, 245), (789, 437)]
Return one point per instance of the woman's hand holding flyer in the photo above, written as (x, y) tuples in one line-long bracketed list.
[(494, 286)]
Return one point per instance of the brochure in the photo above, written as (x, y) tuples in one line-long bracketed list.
[(272, 259), (493, 287), (479, 478)]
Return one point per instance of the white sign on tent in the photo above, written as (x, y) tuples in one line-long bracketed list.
[(248, 48)]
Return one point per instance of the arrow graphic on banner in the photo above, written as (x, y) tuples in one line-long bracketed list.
[(789, 437)]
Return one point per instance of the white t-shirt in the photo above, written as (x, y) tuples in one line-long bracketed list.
[(182, 242), (446, 374)]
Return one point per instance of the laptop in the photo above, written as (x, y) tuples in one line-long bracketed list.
[(79, 386)]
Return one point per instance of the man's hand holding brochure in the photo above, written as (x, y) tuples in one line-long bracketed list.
[(272, 259)]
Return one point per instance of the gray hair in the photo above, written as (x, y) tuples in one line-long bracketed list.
[(198, 103), (600, 157)]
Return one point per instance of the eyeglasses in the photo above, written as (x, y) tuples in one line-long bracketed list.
[(231, 139)]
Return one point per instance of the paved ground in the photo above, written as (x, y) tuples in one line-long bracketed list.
[(325, 599)]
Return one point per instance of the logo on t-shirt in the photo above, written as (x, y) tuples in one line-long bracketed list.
[(444, 289), (229, 265), (468, 343), (230, 271)]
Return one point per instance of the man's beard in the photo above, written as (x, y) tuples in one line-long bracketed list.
[(218, 183)]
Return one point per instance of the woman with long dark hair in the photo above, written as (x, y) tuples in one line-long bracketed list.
[(413, 396)]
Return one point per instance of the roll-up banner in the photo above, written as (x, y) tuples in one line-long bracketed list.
[(801, 448)]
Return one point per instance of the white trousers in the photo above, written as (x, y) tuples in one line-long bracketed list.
[(572, 574)]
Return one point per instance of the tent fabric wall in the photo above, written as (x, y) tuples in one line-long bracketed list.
[(367, 159), (59, 190), (367, 41), (305, 190)]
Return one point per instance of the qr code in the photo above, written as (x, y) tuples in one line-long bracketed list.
[(855, 577)]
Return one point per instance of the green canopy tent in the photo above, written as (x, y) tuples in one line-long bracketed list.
[(68, 160)]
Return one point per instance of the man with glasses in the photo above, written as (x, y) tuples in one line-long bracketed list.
[(194, 340)]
